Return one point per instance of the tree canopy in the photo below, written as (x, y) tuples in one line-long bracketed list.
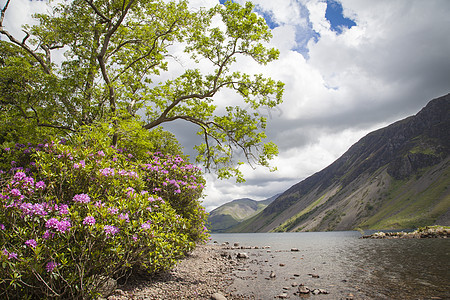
[(115, 53)]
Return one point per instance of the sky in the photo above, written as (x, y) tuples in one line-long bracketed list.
[(349, 67)]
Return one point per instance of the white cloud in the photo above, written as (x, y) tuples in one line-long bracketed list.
[(386, 68)]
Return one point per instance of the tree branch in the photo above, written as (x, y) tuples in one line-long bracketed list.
[(98, 12), (22, 44)]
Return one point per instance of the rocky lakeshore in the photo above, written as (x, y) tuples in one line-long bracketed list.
[(225, 272), (343, 267), (421, 233)]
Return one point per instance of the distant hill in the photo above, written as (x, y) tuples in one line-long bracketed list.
[(395, 177), (232, 213)]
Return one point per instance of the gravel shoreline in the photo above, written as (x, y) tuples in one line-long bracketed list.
[(200, 275)]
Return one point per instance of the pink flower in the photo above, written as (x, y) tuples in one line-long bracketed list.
[(63, 226), (51, 266), (19, 176), (81, 164), (110, 230), (146, 225), (51, 223), (107, 172), (82, 198), (89, 220), (113, 210), (124, 217), (63, 209), (31, 243), (2, 227), (40, 185), (15, 193), (101, 153), (47, 235)]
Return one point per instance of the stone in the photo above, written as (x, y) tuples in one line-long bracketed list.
[(236, 244), (108, 286), (242, 255), (218, 296), (303, 289), (322, 291), (272, 274), (315, 292), (283, 296), (294, 250), (282, 265)]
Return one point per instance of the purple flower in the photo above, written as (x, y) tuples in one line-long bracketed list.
[(40, 185), (31, 243), (63, 209), (124, 217), (146, 225), (51, 266), (19, 176), (135, 238), (39, 209), (51, 223), (15, 193), (82, 198), (113, 210), (110, 230), (12, 255), (63, 226), (47, 235), (81, 164), (89, 220), (107, 172), (29, 180)]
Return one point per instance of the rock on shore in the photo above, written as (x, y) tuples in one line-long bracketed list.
[(201, 275), (424, 232)]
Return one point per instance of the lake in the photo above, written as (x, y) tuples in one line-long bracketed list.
[(343, 264)]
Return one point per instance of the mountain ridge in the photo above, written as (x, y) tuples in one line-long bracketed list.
[(232, 213), (356, 189)]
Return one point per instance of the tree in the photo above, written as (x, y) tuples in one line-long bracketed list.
[(115, 52)]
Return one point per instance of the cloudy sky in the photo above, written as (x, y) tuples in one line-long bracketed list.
[(350, 67)]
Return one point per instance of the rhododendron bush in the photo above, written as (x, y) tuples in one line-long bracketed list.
[(74, 214)]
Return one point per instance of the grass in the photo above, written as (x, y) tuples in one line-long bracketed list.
[(407, 209)]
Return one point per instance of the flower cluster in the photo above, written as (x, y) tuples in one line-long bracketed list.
[(73, 201)]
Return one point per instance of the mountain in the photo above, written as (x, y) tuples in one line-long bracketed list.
[(395, 177), (232, 213)]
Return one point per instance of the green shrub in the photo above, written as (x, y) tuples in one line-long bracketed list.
[(76, 214)]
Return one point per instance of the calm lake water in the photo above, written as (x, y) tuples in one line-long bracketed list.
[(365, 268)]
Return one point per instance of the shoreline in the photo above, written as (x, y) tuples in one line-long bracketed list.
[(200, 275)]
